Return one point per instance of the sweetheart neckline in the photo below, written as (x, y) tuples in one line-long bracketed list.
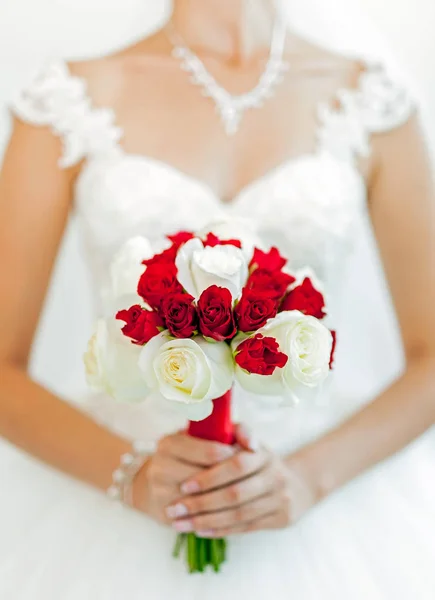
[(228, 205)]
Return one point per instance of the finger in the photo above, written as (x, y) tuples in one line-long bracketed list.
[(230, 496), (193, 450), (168, 470), (241, 465), (245, 439), (275, 520), (209, 524), (271, 521)]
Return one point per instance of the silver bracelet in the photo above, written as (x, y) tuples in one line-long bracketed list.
[(129, 466)]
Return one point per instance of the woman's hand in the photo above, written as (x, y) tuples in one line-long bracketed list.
[(249, 491), (178, 458)]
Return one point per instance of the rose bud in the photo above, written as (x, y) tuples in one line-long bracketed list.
[(215, 311), (275, 284), (140, 325), (157, 282), (165, 257), (254, 309), (269, 261), (306, 299), (179, 313), (260, 355)]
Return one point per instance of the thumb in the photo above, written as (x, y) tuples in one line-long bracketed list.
[(245, 439)]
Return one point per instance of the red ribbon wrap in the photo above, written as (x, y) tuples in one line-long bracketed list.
[(218, 427)]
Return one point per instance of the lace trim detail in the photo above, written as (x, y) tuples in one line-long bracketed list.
[(377, 105), (59, 100)]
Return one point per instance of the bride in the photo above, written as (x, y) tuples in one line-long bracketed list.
[(170, 133)]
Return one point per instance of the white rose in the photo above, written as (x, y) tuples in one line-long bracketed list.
[(199, 268), (307, 343), (125, 272), (111, 364), (188, 372), (235, 229)]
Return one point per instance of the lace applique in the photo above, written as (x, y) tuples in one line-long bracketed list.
[(59, 100), (377, 105)]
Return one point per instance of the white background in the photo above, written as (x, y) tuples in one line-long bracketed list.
[(32, 30)]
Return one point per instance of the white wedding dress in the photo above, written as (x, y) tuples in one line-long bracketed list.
[(373, 539)]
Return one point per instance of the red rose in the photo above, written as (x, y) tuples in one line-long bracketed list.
[(213, 240), (305, 298), (165, 257), (159, 280), (274, 283), (180, 315), (180, 238), (140, 325), (254, 309), (215, 310), (334, 344), (260, 355), (269, 261), (169, 255)]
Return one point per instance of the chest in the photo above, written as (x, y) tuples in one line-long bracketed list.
[(165, 117)]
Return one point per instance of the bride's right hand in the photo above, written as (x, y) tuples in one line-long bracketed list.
[(177, 459)]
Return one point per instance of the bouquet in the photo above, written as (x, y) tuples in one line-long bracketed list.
[(206, 311)]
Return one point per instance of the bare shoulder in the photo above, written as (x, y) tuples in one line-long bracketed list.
[(317, 61), (107, 77)]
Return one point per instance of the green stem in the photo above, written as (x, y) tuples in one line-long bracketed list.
[(215, 555), (202, 558), (192, 558), (223, 549), (179, 542), (207, 546)]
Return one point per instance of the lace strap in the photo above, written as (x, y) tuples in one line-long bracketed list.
[(60, 101), (379, 104)]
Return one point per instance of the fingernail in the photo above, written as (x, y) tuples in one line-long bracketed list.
[(190, 487), (183, 526), (178, 510), (207, 533), (225, 452)]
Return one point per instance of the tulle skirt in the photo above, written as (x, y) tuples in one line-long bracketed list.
[(372, 540)]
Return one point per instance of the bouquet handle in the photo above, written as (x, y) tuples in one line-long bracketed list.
[(218, 427)]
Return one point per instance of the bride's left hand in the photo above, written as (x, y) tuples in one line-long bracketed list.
[(251, 491)]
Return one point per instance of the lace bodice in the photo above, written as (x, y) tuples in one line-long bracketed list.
[(308, 206)]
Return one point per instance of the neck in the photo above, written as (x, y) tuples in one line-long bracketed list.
[(237, 30)]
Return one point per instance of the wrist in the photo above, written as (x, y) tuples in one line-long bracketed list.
[(140, 489), (314, 466), (131, 463)]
